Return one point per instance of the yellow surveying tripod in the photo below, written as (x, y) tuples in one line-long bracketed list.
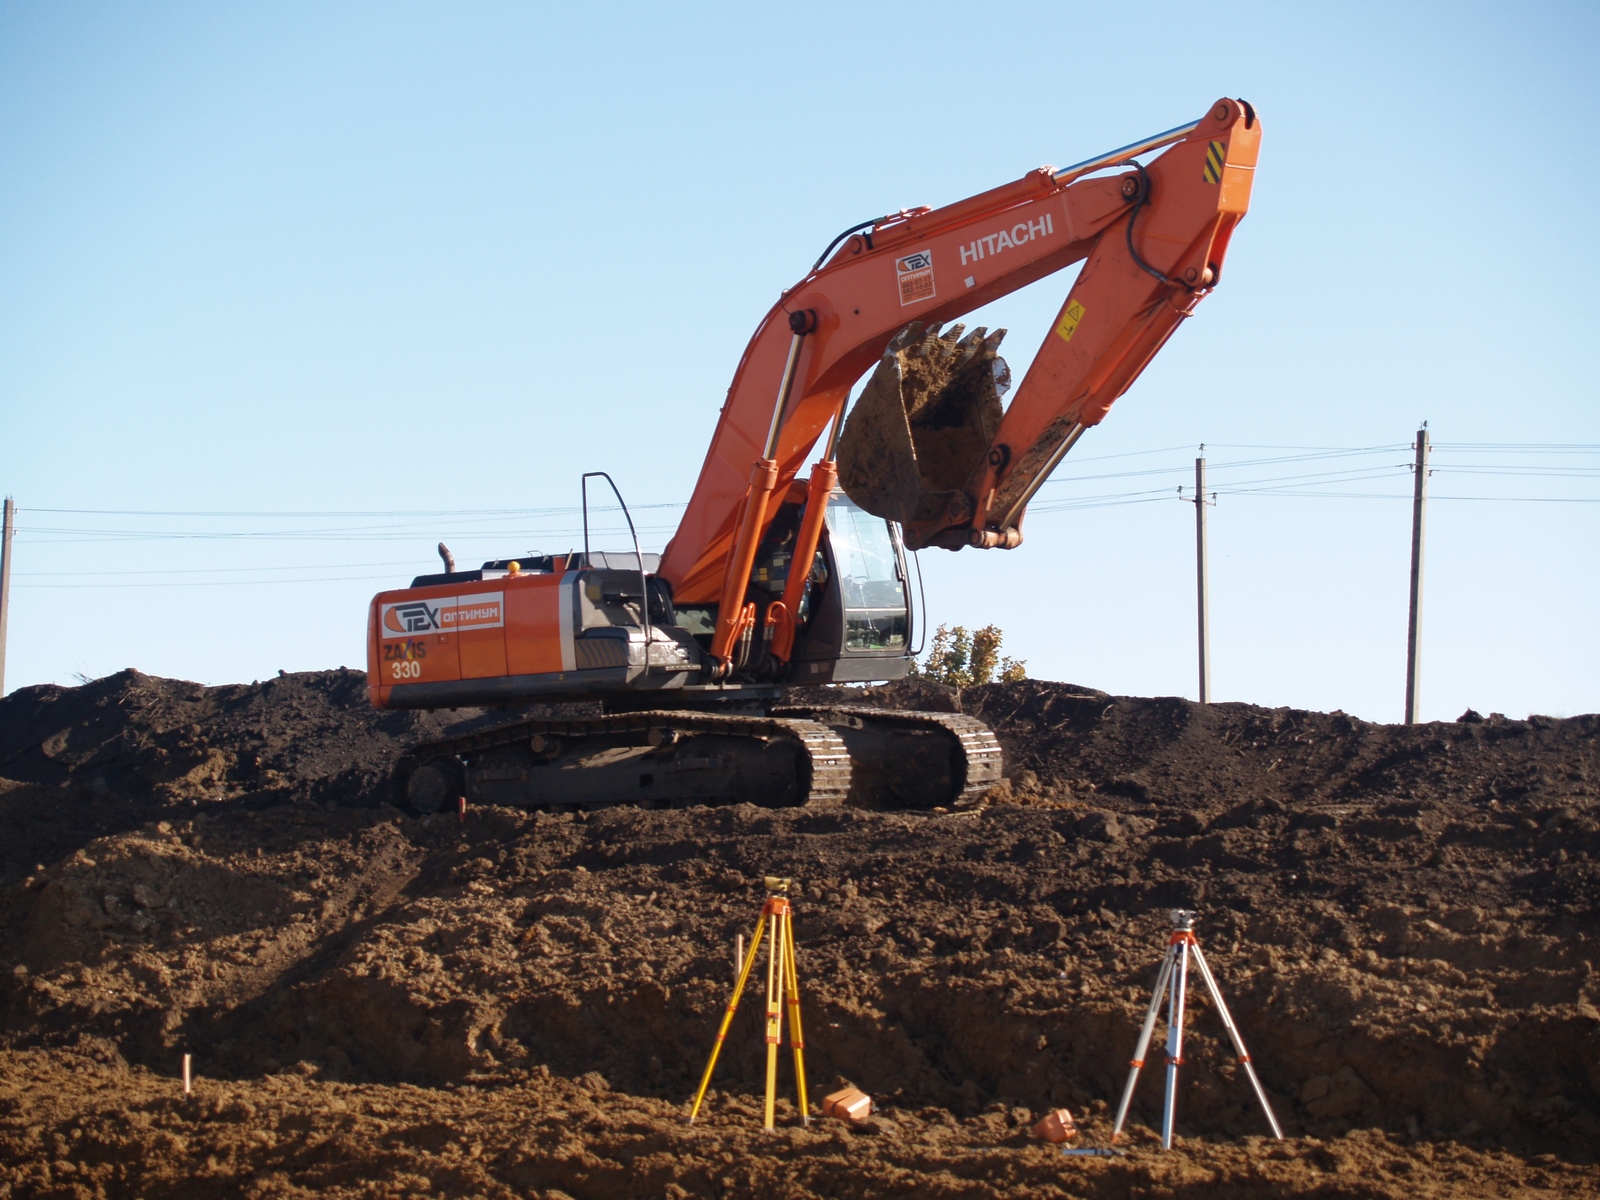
[(783, 984)]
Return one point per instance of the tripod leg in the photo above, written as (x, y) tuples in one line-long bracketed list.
[(797, 1039), (775, 979), (1238, 1041), (1174, 1043), (727, 1017), (1144, 1041)]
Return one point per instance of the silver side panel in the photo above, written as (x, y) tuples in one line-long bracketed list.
[(567, 607)]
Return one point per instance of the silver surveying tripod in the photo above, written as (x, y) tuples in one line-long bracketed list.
[(1173, 979)]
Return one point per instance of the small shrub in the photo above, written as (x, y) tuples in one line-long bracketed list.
[(961, 659)]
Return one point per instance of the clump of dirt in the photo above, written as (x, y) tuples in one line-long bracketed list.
[(923, 423), (1402, 919)]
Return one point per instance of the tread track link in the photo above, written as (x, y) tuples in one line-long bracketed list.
[(826, 759), (975, 761)]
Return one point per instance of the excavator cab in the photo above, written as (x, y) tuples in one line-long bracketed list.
[(856, 624), (854, 616)]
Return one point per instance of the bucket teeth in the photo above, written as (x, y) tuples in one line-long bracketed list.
[(923, 425)]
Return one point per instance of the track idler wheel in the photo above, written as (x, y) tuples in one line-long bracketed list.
[(923, 427), (430, 786)]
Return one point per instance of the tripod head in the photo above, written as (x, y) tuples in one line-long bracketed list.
[(1183, 919)]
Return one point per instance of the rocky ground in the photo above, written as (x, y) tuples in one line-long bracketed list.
[(1402, 919)]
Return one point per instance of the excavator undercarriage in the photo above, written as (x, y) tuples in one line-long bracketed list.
[(796, 755)]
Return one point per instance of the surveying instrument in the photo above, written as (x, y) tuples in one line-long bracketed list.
[(783, 986), (1172, 980)]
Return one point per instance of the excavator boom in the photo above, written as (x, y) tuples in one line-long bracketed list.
[(1153, 240)]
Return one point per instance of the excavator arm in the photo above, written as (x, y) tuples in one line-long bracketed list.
[(927, 443)]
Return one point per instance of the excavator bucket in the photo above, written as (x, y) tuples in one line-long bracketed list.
[(924, 424)]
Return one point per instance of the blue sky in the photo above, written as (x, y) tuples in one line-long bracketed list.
[(286, 264)]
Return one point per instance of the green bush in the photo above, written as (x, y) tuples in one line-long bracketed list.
[(963, 659)]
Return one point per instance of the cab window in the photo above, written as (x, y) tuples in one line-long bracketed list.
[(870, 578)]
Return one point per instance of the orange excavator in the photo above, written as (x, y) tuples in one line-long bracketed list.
[(688, 659)]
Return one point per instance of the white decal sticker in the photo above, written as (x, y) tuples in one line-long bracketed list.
[(1007, 239), (446, 614), (915, 273)]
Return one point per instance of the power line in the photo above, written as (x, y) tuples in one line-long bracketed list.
[(193, 583), (1523, 447), (1525, 499), (1525, 472), (473, 525), (79, 537), (222, 570), (570, 510)]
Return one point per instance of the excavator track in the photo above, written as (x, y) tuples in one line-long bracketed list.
[(902, 759), (652, 759), (798, 755)]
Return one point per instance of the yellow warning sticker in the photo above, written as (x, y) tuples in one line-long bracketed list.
[(1216, 155), (1068, 325)]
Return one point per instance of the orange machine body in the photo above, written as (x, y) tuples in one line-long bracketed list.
[(553, 628), (508, 626)]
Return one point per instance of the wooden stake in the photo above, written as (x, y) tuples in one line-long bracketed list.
[(188, 1078)]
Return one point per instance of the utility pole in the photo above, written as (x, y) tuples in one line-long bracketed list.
[(1201, 587), (1419, 501), (6, 531)]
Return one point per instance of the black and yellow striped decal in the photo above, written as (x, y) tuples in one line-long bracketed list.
[(1216, 155)]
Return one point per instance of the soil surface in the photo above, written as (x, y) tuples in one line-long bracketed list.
[(1402, 920)]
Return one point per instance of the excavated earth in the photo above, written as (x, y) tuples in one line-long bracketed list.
[(1403, 920)]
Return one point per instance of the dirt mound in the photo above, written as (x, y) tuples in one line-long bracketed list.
[(164, 740), (1403, 919), (76, 1125)]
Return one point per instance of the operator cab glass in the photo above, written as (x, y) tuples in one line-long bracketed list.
[(866, 555)]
